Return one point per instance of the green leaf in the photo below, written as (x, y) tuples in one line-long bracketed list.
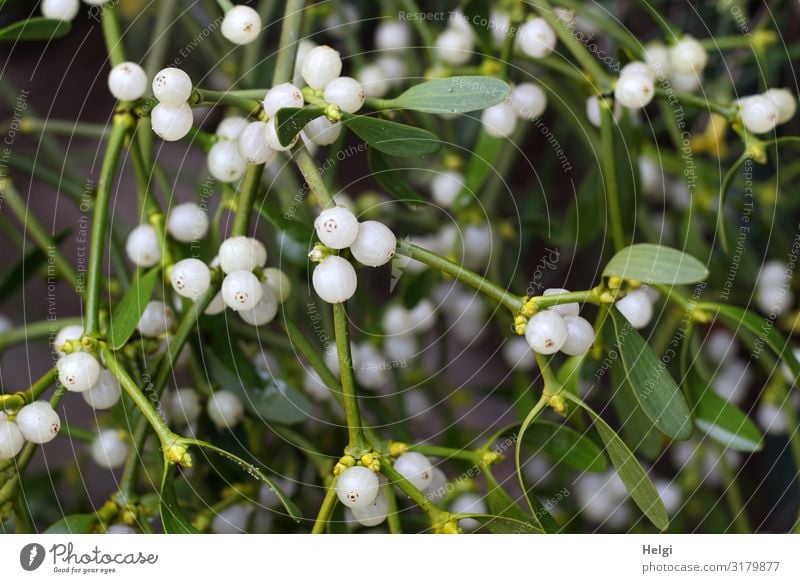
[(452, 95), (501, 504), (632, 474), (126, 315), (13, 277), (477, 13), (393, 138), (255, 472), (36, 28), (391, 179), (289, 121), (656, 264), (479, 167), (564, 444), (73, 524), (655, 389), (500, 524), (276, 402), (762, 328), (298, 231), (172, 517), (637, 430), (723, 422)]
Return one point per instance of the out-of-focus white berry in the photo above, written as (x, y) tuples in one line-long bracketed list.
[(771, 418), (400, 348), (345, 92), (394, 69), (468, 504), (784, 101), (759, 114), (454, 47), (564, 310), (321, 66), (536, 38), (446, 186), (374, 80), (183, 406), (155, 320), (416, 468), (720, 345), (392, 35), (60, 9), (225, 163), (638, 68), (105, 393), (499, 121), (253, 145), (656, 55), (109, 449), (528, 100), (187, 222), (637, 308), (688, 56), (634, 91), (580, 336), (518, 354), (225, 409), (732, 380), (11, 439)]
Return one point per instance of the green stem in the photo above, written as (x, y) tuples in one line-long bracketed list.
[(301, 343), (480, 283), (393, 515), (246, 199), (77, 433), (357, 444), (424, 32), (35, 331), (609, 168), (313, 178), (159, 39), (37, 232), (588, 296), (444, 452), (76, 191), (697, 101), (325, 511), (225, 5), (290, 36), (18, 400), (122, 125), (436, 515), (201, 97), (733, 496), (670, 32), (77, 129), (112, 35)]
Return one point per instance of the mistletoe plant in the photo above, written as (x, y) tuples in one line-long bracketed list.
[(361, 318)]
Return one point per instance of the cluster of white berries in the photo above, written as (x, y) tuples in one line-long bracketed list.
[(392, 38), (681, 64), (526, 101), (402, 325), (773, 292), (186, 223), (763, 113), (36, 422), (362, 490), (733, 374), (371, 243), (172, 118), (559, 328)]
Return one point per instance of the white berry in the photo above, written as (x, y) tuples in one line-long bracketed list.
[(190, 278), (11, 439), (183, 406), (397, 321), (392, 35), (759, 114), (394, 68), (241, 25), (446, 186), (357, 487), (172, 87), (105, 393), (127, 81), (67, 334), (224, 161), (78, 371), (536, 39), (231, 127), (241, 290), (253, 145), (656, 55), (187, 222), (374, 80), (38, 422), (637, 308), (109, 450), (528, 100), (242, 254), (282, 96), (232, 520), (454, 47), (638, 68), (335, 280), (416, 468), (546, 332), (321, 66), (375, 244), (468, 504), (518, 355), (374, 513), (400, 348), (278, 283), (580, 336), (60, 9), (322, 131), (634, 91), (264, 311), (688, 56), (337, 227), (499, 121), (225, 409), (771, 418), (156, 319), (273, 141), (784, 102), (564, 310), (216, 306), (345, 92), (171, 123), (142, 246)]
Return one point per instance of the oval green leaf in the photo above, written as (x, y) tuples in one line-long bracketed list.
[(451, 95), (639, 486), (391, 180), (73, 524), (656, 264), (394, 139), (501, 504), (564, 444), (126, 315), (36, 28), (655, 389), (172, 518), (723, 422), (290, 120)]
